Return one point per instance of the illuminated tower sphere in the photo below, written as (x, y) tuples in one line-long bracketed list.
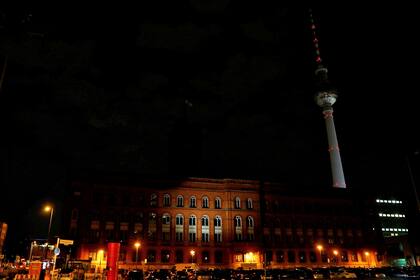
[(325, 98)]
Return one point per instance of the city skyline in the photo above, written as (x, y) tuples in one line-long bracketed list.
[(226, 92)]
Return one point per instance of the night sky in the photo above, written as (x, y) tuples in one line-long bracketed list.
[(218, 89)]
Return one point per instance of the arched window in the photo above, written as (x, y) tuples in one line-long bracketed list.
[(205, 221), (180, 201), (166, 200), (250, 222), (153, 199), (166, 227), (218, 221), (218, 229), (179, 220), (237, 203), (218, 203), (166, 219), (249, 203), (205, 202), (192, 220), (205, 231), (192, 229), (238, 228), (179, 228), (250, 226), (193, 202), (238, 221), (152, 226)]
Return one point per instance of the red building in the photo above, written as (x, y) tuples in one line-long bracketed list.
[(216, 223)]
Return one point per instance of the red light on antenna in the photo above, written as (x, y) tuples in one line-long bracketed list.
[(318, 59)]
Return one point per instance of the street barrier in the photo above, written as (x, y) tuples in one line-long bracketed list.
[(26, 277)]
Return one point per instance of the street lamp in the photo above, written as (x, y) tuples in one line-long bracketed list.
[(335, 252), (367, 258), (319, 247), (50, 209), (137, 245), (192, 253)]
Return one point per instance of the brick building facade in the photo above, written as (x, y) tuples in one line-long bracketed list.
[(216, 223)]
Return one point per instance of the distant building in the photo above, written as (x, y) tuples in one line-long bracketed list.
[(391, 225), (217, 223), (3, 232), (391, 215)]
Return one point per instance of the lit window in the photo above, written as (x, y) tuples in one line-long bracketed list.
[(388, 215), (250, 221), (238, 222), (180, 201), (399, 229), (380, 214), (378, 200), (192, 202), (205, 221), (166, 200), (249, 203), (192, 220), (179, 220), (396, 234), (237, 203), (383, 229), (218, 221), (217, 203), (392, 215), (392, 234), (403, 215), (393, 201), (205, 202)]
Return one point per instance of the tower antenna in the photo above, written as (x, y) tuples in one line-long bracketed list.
[(325, 97)]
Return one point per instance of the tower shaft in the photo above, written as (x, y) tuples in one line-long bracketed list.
[(335, 158), (325, 98)]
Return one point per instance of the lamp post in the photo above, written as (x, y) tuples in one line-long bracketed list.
[(367, 258), (50, 209), (319, 247), (137, 245), (335, 252), (192, 253)]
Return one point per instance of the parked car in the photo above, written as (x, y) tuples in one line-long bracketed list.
[(342, 273)]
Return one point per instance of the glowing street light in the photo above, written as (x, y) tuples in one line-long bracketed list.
[(320, 248), (367, 254), (50, 209), (335, 252), (192, 253), (137, 245)]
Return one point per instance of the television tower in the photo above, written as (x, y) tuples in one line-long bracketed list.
[(325, 97)]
